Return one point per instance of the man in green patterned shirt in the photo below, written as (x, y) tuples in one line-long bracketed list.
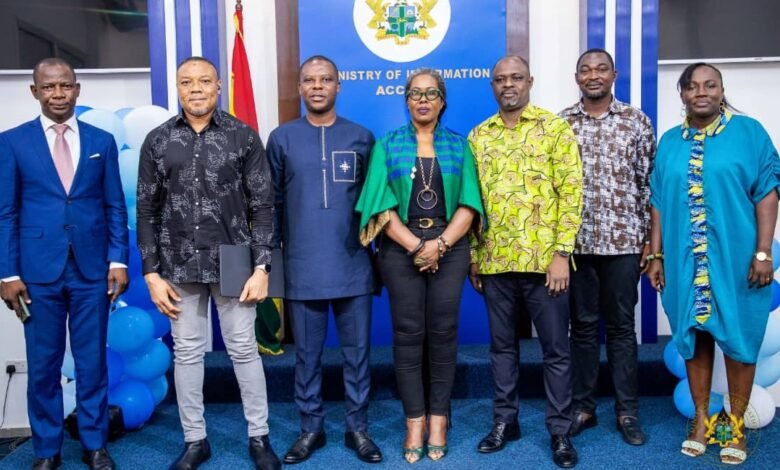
[(531, 181)]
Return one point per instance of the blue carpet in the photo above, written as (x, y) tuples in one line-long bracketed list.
[(600, 448)]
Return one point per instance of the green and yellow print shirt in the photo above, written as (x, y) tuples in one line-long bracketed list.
[(531, 182)]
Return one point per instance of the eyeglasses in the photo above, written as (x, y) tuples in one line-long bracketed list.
[(430, 94)]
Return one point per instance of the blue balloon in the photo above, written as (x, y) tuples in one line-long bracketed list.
[(68, 398), (684, 403), (682, 399), (162, 324), (767, 371), (775, 254), (159, 388), (775, 296), (79, 110), (68, 366), (716, 403), (129, 329), (136, 401), (771, 344), (132, 217), (116, 367), (674, 361), (137, 294), (150, 363)]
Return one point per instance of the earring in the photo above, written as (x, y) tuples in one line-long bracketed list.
[(683, 111), (722, 107)]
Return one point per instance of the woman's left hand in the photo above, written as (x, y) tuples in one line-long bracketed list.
[(761, 273), (427, 259)]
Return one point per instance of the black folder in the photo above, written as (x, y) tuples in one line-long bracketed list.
[(236, 267)]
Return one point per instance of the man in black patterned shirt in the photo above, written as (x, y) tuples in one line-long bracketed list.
[(203, 181), (617, 146)]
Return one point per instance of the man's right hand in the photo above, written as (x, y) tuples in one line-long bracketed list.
[(163, 295), (476, 283), (10, 292)]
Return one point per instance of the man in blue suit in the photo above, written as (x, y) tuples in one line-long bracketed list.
[(64, 245)]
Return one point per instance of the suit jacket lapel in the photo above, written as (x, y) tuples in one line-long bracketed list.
[(84, 144), (40, 149)]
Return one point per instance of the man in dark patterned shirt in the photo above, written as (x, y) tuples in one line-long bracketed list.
[(617, 146), (204, 181)]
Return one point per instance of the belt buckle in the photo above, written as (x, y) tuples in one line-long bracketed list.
[(425, 222)]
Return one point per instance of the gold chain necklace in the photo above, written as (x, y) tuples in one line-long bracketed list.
[(427, 197)]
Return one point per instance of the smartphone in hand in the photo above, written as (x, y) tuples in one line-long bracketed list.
[(25, 313)]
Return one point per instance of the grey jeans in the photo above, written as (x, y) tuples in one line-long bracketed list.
[(238, 331)]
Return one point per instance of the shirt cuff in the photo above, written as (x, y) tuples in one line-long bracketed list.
[(10, 279), (114, 265)]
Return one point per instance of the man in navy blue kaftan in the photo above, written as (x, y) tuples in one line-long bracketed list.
[(318, 164)]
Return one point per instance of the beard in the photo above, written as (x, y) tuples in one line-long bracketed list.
[(596, 95)]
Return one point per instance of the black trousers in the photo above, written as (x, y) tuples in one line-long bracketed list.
[(605, 286), (424, 308), (550, 316)]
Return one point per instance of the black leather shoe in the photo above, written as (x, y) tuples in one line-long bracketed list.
[(580, 423), (194, 454), (631, 431), (49, 463), (304, 446), (498, 437), (564, 454), (263, 454), (366, 450), (98, 459)]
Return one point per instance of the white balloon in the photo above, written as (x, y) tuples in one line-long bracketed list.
[(107, 121), (771, 344), (141, 120), (719, 381), (128, 171), (761, 408)]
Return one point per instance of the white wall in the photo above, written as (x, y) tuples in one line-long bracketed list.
[(554, 48)]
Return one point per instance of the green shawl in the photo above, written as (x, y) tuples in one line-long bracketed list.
[(389, 185)]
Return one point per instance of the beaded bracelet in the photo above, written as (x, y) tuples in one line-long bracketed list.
[(446, 243), (652, 256)]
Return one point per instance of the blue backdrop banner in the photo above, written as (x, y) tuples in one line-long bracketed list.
[(376, 44)]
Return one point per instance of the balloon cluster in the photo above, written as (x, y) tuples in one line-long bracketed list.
[(761, 407), (136, 357)]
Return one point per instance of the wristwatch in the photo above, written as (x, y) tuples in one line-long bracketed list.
[(563, 253), (265, 267), (763, 256)]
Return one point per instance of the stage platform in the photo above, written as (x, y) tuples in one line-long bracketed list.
[(472, 379), (159, 441)]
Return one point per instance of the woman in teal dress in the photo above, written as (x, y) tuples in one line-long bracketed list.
[(714, 207)]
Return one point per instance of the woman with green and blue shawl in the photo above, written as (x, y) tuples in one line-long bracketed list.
[(420, 199), (714, 207)]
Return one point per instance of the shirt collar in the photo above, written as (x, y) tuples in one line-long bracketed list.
[(530, 113), (71, 122), (714, 128), (615, 107), (216, 118)]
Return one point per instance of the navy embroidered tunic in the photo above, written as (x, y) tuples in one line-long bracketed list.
[(318, 173)]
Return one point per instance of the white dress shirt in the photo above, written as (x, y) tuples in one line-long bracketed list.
[(71, 136)]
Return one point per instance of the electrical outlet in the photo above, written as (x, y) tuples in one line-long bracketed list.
[(19, 364)]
